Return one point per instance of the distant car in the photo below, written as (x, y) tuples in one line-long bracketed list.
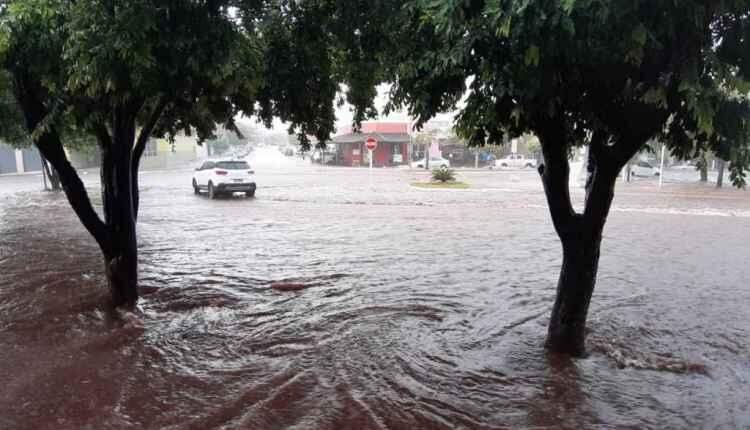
[(515, 160), (435, 163), (643, 168), (224, 177)]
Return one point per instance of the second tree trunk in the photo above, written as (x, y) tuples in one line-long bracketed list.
[(566, 332)]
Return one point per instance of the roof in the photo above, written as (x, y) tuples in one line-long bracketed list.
[(381, 127), (380, 137), (385, 127)]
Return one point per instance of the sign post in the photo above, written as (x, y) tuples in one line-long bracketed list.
[(371, 143)]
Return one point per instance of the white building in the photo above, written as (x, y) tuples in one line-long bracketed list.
[(19, 160)]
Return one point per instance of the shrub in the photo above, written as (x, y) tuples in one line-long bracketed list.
[(443, 175)]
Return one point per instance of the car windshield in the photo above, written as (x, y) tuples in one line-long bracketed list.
[(232, 165)]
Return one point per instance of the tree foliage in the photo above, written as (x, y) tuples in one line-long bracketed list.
[(12, 130), (627, 70)]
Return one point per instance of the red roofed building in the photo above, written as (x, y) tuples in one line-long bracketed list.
[(393, 145)]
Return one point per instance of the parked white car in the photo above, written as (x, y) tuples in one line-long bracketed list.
[(643, 168), (515, 160), (435, 163), (224, 177)]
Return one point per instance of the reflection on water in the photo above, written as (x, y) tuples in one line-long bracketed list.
[(335, 310)]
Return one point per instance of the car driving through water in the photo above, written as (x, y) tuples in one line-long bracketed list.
[(644, 168), (224, 177)]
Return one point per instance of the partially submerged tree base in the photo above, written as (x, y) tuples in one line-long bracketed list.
[(122, 284), (567, 326)]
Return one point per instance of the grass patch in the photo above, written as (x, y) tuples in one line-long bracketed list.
[(441, 185)]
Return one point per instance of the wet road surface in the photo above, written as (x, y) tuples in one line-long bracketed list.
[(406, 309)]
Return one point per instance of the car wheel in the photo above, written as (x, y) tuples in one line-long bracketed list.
[(196, 190), (211, 191), (529, 166), (250, 194), (503, 165)]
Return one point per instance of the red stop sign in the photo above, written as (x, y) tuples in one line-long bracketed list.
[(371, 143)]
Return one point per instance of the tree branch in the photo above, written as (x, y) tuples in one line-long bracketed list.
[(102, 136), (51, 147), (140, 146), (555, 173), (600, 186), (148, 127)]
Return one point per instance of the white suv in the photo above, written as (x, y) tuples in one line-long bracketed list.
[(644, 168), (224, 177), (515, 160)]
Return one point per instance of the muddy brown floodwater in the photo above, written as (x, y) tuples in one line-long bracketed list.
[(322, 305)]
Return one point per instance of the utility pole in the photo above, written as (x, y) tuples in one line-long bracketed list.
[(427, 145), (661, 166)]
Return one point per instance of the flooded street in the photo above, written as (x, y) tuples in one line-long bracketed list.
[(330, 303)]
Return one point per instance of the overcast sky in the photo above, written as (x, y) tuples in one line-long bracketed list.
[(344, 115)]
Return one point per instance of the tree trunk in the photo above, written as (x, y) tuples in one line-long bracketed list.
[(121, 262), (566, 331), (703, 167), (54, 178), (580, 235), (140, 147), (720, 177)]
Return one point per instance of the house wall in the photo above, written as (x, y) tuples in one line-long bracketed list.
[(84, 159), (7, 159), (167, 157), (405, 153), (19, 160), (351, 154), (382, 155), (32, 161)]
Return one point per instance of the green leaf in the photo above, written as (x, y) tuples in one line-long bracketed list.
[(639, 34), (531, 58), (567, 5), (656, 96), (504, 30)]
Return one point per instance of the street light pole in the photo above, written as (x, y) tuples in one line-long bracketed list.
[(427, 145)]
